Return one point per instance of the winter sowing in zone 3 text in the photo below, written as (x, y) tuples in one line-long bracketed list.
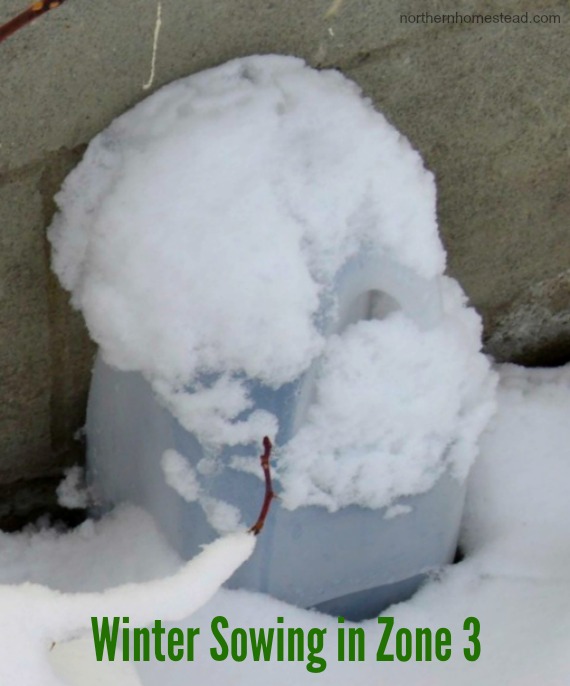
[(279, 643)]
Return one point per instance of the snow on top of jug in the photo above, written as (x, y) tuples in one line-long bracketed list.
[(202, 231), (202, 226)]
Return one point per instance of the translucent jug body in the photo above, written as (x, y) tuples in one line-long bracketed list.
[(353, 562)]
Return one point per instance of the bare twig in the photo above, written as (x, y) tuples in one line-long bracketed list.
[(269, 494), (33, 12)]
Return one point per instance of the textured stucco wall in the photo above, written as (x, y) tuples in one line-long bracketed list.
[(488, 106)]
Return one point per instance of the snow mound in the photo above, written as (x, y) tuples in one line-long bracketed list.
[(201, 227), (396, 406), (201, 236), (515, 527)]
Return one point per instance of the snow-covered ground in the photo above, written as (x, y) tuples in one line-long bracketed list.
[(515, 577)]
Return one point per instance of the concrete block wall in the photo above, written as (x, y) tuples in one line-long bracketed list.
[(487, 105)]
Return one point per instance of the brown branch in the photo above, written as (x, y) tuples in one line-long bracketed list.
[(24, 18), (269, 494)]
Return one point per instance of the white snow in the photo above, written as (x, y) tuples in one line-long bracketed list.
[(515, 577), (513, 527), (223, 517), (72, 492), (202, 236), (201, 227), (92, 557), (395, 407), (396, 511), (180, 475), (35, 617)]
